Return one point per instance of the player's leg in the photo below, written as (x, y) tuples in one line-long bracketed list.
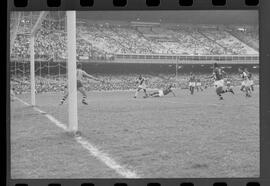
[(192, 90), (230, 89), (242, 86), (252, 85), (144, 90), (220, 91), (154, 94), (137, 91), (82, 91), (65, 96)]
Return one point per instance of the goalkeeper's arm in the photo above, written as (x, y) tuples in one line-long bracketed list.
[(92, 77)]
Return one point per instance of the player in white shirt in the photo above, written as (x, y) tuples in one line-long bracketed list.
[(81, 74), (163, 92), (251, 82), (198, 85), (246, 83), (141, 86)]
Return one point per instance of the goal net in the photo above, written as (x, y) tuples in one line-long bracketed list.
[(49, 56)]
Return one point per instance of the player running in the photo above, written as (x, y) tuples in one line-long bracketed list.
[(251, 82), (246, 84), (229, 85), (164, 92), (141, 86), (218, 75), (192, 83), (81, 74)]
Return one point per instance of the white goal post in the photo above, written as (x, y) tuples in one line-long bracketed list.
[(72, 77), (71, 60)]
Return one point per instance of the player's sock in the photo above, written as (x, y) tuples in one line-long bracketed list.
[(220, 97), (136, 94), (63, 100), (84, 100)]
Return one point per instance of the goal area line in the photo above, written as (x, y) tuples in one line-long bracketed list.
[(92, 149)]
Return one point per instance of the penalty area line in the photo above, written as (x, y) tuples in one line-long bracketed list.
[(94, 151)]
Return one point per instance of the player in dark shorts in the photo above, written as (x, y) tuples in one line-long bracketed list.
[(163, 92)]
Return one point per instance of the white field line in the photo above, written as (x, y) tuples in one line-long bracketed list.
[(94, 151)]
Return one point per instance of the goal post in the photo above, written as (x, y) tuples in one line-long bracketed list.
[(32, 70), (32, 55), (72, 77)]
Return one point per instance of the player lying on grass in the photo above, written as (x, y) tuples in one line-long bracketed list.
[(81, 74), (164, 92), (218, 75), (141, 86), (247, 84)]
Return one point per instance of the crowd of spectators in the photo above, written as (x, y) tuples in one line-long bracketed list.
[(116, 82), (102, 41)]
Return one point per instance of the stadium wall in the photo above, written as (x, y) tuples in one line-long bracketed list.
[(44, 68)]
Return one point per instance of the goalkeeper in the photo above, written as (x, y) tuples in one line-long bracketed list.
[(80, 75)]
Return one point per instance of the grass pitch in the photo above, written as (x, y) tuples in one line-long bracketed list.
[(170, 137)]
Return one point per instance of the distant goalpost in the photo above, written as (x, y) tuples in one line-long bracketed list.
[(71, 66)]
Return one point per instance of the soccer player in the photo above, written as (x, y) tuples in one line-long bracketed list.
[(199, 85), (229, 85), (251, 82), (245, 85), (141, 86), (218, 75), (81, 74), (192, 83), (163, 92)]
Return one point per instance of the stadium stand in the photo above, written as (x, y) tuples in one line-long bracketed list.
[(102, 41)]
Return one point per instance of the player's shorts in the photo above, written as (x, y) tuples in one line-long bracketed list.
[(198, 84), (142, 86), (191, 84), (160, 93), (79, 84), (247, 83), (219, 83)]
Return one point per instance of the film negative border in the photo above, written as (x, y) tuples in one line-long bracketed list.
[(81, 5), (263, 6)]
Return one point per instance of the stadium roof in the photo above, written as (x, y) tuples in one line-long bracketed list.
[(192, 17)]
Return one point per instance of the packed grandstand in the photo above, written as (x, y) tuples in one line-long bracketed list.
[(103, 40)]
